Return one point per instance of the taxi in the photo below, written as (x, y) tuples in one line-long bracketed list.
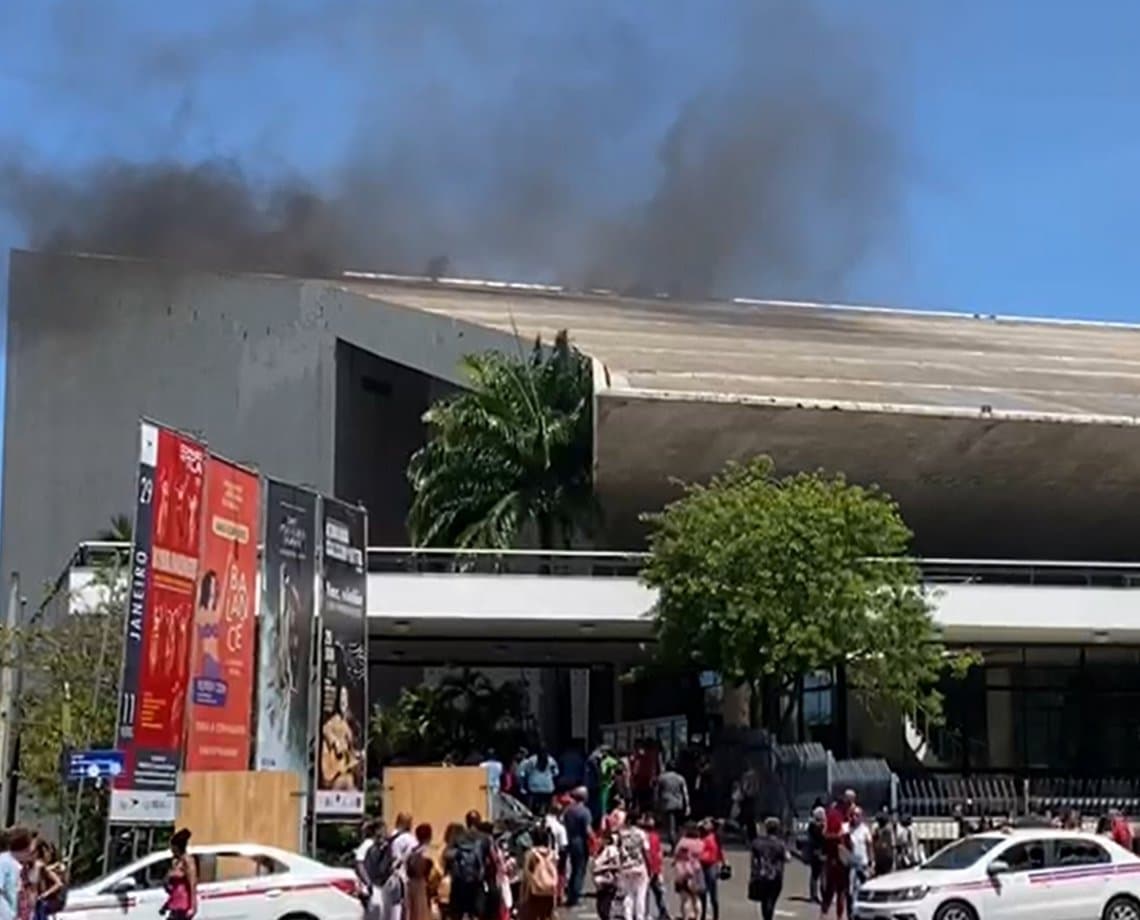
[(1043, 874)]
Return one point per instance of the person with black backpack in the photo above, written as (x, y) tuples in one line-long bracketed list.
[(884, 844), (466, 863), (366, 857), (384, 868)]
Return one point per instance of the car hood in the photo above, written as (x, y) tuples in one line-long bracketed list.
[(911, 878)]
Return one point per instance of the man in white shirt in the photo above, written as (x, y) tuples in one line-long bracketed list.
[(403, 841), (861, 851), (375, 834), (12, 862), (494, 768)]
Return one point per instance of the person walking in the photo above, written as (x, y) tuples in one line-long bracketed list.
[(181, 879), (634, 846), (655, 863), (884, 844), (390, 871), (814, 853), (538, 888), (540, 772), (712, 863), (466, 863), (559, 842), (688, 877), (607, 873), (578, 823), (836, 865), (862, 853), (672, 802), (50, 886), (769, 857), (906, 843), (370, 855), (422, 877)]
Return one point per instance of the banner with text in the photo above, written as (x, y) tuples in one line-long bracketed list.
[(222, 663), (156, 654), (343, 689), (285, 631)]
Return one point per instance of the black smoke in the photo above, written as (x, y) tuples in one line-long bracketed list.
[(722, 147)]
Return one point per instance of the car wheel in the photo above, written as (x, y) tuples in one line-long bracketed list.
[(960, 910), (1122, 907), (301, 916)]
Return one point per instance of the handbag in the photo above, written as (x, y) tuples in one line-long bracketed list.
[(725, 872)]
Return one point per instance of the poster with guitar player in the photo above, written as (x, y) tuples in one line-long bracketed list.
[(342, 734)]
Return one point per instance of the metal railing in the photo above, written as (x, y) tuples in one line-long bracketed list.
[(601, 563)]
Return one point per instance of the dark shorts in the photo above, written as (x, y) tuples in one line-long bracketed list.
[(466, 900)]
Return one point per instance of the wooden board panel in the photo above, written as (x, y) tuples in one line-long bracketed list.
[(435, 795), (262, 806)]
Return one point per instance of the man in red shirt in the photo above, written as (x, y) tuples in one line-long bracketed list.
[(1121, 829), (655, 863)]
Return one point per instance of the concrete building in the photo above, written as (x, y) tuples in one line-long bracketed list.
[(999, 437)]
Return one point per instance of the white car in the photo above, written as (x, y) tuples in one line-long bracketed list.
[(234, 882), (1020, 875)]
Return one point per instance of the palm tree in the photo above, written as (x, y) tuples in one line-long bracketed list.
[(512, 454)]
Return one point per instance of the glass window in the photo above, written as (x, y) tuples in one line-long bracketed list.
[(817, 707), (962, 853), (1053, 656), (152, 875), (1077, 852), (1025, 857), (1002, 655), (1112, 654)]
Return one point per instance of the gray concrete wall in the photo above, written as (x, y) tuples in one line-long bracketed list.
[(251, 362), (93, 344), (379, 425)]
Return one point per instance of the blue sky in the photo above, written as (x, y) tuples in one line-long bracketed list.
[(1020, 119)]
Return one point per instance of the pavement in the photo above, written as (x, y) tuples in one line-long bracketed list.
[(734, 903)]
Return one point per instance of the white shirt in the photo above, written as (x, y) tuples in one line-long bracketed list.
[(860, 846), (557, 833), (361, 852), (402, 848)]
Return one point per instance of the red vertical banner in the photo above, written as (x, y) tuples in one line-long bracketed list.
[(222, 663), (156, 658)]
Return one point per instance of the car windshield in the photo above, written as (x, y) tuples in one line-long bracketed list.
[(963, 854)]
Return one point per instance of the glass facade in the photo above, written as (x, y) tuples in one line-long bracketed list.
[(1049, 709)]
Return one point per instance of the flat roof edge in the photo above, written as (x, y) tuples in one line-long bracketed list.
[(841, 405)]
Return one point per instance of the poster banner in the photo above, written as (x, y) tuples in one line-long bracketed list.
[(160, 605), (285, 632), (343, 687), (222, 662)]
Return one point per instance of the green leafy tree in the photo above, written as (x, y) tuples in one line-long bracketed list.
[(465, 713), (69, 668), (512, 454), (767, 579)]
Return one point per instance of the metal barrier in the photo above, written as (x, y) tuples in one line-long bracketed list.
[(939, 795), (603, 563)]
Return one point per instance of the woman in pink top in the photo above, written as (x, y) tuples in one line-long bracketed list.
[(688, 877), (181, 880)]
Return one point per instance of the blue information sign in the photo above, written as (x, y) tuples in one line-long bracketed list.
[(94, 765)]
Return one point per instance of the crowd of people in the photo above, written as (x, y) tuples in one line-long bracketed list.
[(844, 849), (476, 876), (33, 880)]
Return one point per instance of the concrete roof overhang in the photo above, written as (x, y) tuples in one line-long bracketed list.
[(998, 436)]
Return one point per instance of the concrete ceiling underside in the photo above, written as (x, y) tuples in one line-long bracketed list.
[(999, 437), (968, 487)]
